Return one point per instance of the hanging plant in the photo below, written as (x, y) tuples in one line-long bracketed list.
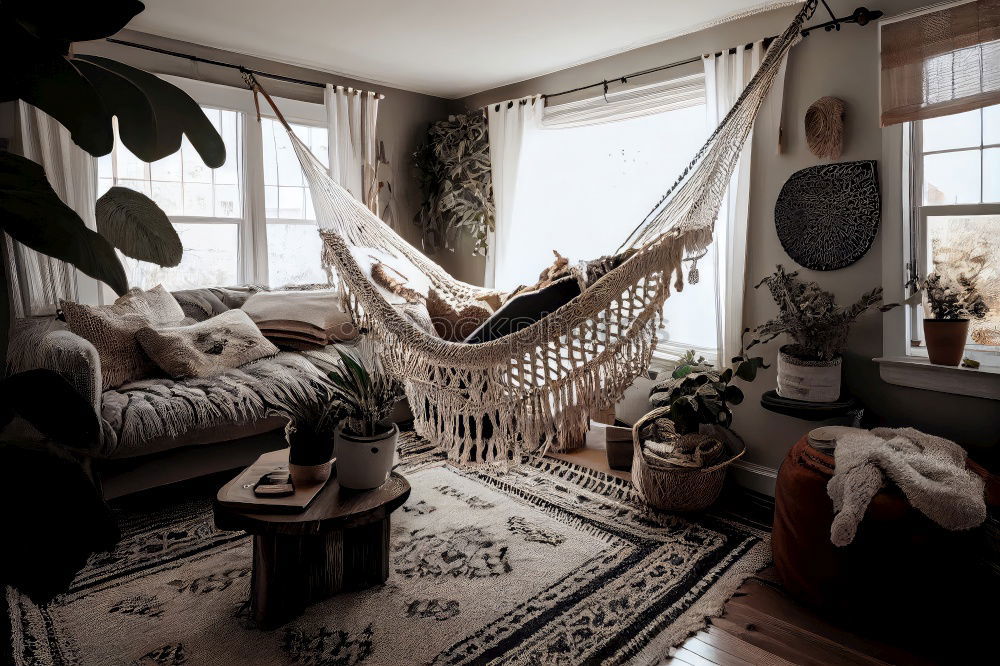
[(454, 170)]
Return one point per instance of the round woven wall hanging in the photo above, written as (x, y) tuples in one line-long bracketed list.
[(825, 127), (827, 216)]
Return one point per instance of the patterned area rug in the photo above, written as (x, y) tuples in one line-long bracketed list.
[(550, 563)]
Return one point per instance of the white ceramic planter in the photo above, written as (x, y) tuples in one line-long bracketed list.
[(364, 463), (810, 381)]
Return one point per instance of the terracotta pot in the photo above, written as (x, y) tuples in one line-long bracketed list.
[(945, 340), (309, 456), (309, 475), (808, 380), (364, 463)]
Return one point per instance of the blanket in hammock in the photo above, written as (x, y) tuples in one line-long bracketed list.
[(929, 470)]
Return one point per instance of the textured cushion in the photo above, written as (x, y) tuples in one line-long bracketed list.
[(455, 322), (368, 258), (111, 329), (525, 309), (311, 316), (200, 304), (206, 348)]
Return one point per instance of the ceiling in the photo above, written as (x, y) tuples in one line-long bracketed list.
[(448, 48)]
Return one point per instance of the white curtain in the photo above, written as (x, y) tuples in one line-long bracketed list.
[(509, 125), (726, 75), (351, 116), (37, 281)]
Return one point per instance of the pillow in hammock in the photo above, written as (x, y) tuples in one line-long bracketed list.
[(455, 322), (525, 309), (402, 268)]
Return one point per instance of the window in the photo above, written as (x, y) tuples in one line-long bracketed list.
[(581, 190), (293, 246), (955, 190), (206, 206), (249, 221)]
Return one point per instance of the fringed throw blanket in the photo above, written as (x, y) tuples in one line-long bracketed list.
[(929, 470)]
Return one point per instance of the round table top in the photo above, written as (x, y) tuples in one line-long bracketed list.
[(334, 508)]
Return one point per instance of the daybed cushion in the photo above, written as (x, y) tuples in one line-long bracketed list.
[(112, 328), (304, 316), (206, 348), (525, 309), (167, 413)]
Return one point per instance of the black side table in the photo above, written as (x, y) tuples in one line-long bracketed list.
[(847, 406)]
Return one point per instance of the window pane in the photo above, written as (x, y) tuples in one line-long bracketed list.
[(293, 255), (137, 185), (991, 175), (960, 130), (210, 259), (198, 199), (951, 178), (286, 193), (169, 197), (291, 205), (130, 167), (970, 245), (103, 185), (195, 171), (166, 169), (991, 125), (227, 201), (578, 187), (104, 166)]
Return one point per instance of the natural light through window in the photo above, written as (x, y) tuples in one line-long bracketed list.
[(957, 223), (293, 246), (204, 204), (581, 190)]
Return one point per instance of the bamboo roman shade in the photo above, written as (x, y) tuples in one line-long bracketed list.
[(940, 61)]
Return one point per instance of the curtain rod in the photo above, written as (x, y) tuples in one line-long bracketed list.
[(861, 16), (219, 63)]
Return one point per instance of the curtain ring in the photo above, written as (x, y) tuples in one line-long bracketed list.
[(605, 82)]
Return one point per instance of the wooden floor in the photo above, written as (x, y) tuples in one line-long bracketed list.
[(763, 625)]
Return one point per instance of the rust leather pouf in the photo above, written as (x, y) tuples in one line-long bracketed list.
[(900, 563)]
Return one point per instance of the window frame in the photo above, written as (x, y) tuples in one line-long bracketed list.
[(252, 252), (918, 248)]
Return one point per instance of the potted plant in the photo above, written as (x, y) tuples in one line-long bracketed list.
[(952, 303), (310, 436), (809, 368), (365, 443)]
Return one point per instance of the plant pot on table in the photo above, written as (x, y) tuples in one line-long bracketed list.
[(808, 379), (309, 457), (945, 340), (364, 462)]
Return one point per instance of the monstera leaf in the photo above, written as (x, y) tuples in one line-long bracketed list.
[(134, 224), (84, 92), (32, 213)]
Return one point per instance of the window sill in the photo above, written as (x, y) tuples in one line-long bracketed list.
[(921, 373)]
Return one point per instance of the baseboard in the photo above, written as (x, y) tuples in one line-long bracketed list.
[(759, 478)]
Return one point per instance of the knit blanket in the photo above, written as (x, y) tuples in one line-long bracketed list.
[(929, 470), (149, 409)]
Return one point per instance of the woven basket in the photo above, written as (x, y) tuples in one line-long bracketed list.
[(673, 488)]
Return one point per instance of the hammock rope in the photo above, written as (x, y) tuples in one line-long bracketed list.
[(536, 388)]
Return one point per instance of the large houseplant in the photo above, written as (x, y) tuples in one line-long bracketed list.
[(809, 367), (952, 302), (310, 434), (83, 93), (365, 443)]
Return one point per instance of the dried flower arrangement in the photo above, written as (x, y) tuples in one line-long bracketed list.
[(958, 298), (810, 317), (455, 176)]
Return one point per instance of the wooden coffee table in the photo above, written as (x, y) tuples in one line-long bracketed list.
[(339, 542)]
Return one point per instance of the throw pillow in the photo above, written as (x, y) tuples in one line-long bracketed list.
[(311, 316), (525, 309), (367, 258), (455, 323), (206, 348), (111, 329)]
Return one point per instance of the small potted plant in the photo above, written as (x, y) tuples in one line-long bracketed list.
[(809, 368), (309, 433), (365, 443), (952, 302)]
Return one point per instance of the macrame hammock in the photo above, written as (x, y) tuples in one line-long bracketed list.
[(535, 389)]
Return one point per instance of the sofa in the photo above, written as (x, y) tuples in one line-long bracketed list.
[(160, 430)]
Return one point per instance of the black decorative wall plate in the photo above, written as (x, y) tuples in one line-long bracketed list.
[(827, 216)]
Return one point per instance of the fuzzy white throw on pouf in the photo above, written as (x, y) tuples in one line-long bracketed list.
[(929, 470)]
